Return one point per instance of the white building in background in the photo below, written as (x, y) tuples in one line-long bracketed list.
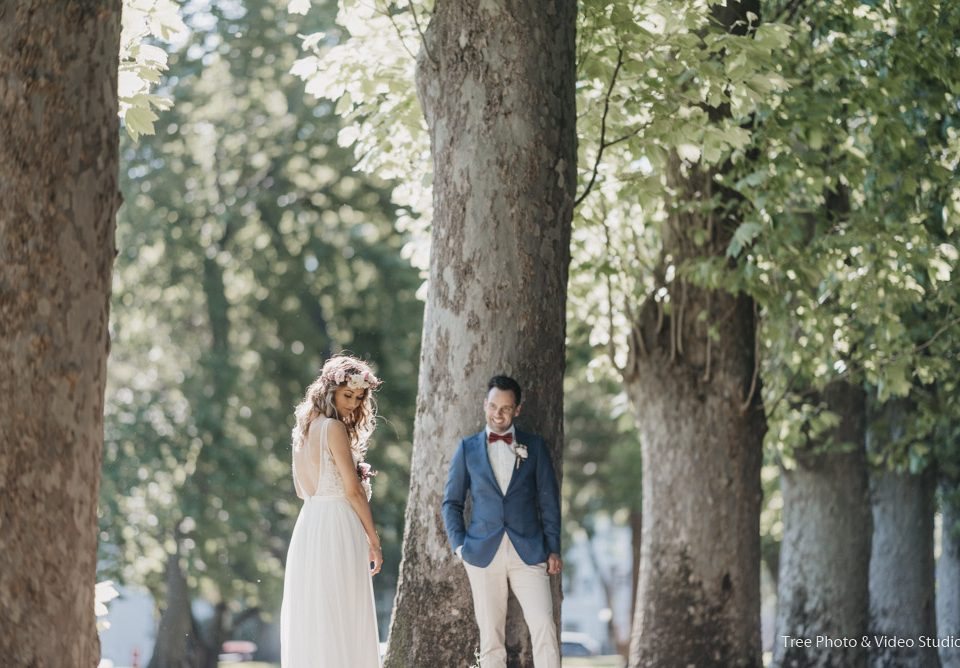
[(129, 640), (585, 605)]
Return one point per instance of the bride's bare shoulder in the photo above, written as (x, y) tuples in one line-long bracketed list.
[(337, 427)]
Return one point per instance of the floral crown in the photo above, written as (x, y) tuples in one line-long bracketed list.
[(354, 378)]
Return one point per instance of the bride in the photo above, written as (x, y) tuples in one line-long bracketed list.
[(327, 618)]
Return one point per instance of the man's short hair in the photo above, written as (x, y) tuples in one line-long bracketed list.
[(506, 383)]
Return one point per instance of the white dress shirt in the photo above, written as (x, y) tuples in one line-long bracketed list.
[(502, 458)]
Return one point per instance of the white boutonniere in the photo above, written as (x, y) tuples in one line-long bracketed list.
[(521, 452)]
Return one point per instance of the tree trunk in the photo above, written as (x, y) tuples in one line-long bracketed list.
[(58, 200), (902, 569), (496, 81), (216, 636), (692, 381), (948, 571), (699, 595), (178, 642), (901, 559), (826, 545), (636, 531)]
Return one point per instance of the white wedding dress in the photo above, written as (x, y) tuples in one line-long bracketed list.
[(328, 618)]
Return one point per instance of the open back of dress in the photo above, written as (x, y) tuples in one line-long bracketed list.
[(315, 473)]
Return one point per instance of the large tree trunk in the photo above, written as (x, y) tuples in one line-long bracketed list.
[(901, 557), (699, 596), (902, 568), (826, 545), (496, 81), (948, 571), (702, 424), (58, 199)]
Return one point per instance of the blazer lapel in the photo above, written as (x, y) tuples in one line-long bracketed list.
[(480, 441), (518, 439)]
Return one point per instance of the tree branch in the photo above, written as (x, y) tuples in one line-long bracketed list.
[(603, 128), (610, 342), (403, 42), (624, 138), (926, 344), (423, 37), (789, 10), (745, 406)]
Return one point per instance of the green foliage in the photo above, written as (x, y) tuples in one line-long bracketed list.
[(851, 174), (601, 464), (836, 153), (366, 64), (142, 63), (652, 76), (840, 148), (249, 251)]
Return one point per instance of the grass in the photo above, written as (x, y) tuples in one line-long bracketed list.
[(614, 661)]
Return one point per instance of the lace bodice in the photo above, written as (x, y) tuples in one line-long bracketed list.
[(315, 472)]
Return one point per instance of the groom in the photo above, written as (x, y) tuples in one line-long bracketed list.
[(514, 532)]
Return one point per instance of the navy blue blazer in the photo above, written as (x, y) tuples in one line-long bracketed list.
[(529, 512)]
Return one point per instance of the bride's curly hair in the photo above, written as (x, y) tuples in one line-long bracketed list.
[(338, 371)]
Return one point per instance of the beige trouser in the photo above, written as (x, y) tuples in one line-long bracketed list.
[(531, 586)]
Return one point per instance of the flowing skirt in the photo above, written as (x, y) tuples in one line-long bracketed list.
[(328, 618)]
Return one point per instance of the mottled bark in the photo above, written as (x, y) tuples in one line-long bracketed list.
[(901, 558), (948, 571), (58, 199), (902, 601), (692, 380), (699, 594), (496, 81), (826, 543)]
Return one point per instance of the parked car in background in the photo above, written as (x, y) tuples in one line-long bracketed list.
[(573, 643), (237, 651)]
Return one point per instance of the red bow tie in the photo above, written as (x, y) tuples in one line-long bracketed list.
[(506, 438)]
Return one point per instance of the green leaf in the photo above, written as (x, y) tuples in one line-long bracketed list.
[(139, 121), (742, 237)]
